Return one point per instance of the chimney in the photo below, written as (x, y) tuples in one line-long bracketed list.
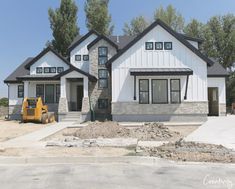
[(117, 39)]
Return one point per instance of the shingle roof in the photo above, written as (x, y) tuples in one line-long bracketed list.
[(217, 70), (20, 70)]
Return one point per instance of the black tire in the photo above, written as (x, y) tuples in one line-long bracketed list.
[(45, 119), (51, 117)]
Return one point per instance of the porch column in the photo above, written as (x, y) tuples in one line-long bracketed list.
[(26, 88), (63, 102), (85, 86)]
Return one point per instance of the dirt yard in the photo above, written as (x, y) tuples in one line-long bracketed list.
[(12, 129), (149, 132), (191, 151)]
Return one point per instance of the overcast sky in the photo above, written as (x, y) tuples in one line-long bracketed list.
[(25, 29)]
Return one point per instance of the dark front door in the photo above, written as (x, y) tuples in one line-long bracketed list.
[(79, 97), (213, 101)]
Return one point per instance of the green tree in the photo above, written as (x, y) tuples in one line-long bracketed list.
[(98, 17), (63, 22), (4, 102), (136, 26), (194, 28), (219, 36), (171, 17)]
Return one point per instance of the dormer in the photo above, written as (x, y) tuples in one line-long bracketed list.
[(192, 40), (79, 55)]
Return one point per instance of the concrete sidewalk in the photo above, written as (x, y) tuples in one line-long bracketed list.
[(217, 130), (33, 139)]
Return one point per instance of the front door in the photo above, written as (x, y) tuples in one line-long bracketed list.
[(79, 97), (213, 101)]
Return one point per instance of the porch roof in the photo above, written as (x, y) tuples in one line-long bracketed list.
[(160, 71), (37, 77)]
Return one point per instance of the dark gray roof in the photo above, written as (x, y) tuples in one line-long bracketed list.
[(217, 70), (161, 71), (20, 70)]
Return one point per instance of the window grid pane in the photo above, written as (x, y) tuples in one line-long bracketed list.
[(40, 91), (144, 91), (159, 91), (49, 93), (103, 83), (20, 91), (103, 103), (103, 74), (175, 91)]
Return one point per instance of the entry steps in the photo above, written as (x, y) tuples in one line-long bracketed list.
[(72, 117)]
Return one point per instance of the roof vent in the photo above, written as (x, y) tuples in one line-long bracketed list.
[(117, 39)]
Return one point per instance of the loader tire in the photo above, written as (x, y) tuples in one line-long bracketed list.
[(44, 119), (51, 118)]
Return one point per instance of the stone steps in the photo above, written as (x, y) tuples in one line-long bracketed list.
[(72, 117)]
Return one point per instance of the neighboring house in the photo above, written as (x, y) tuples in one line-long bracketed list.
[(159, 75)]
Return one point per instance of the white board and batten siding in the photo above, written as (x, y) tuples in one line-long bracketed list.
[(221, 84), (81, 49), (179, 57), (48, 60), (13, 94)]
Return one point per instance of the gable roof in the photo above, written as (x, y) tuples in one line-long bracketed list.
[(172, 32), (104, 38), (217, 70), (187, 37), (20, 70), (73, 68), (79, 39), (42, 53)]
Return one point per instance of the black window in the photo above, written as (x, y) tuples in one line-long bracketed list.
[(102, 103), (78, 57), (158, 45), (53, 70), (57, 94), (168, 45), (46, 70), (175, 91), (148, 45), (159, 91), (103, 78), (49, 93), (60, 69), (20, 91), (39, 70), (40, 91), (144, 91), (85, 57), (102, 55)]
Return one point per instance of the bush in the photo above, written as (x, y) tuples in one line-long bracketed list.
[(4, 102)]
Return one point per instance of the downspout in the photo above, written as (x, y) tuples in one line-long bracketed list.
[(8, 95)]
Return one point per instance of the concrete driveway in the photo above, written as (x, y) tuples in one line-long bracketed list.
[(217, 130)]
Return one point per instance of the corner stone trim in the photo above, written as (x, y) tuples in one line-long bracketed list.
[(134, 108), (63, 105), (85, 105)]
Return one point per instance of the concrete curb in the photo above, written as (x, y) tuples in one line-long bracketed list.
[(81, 160)]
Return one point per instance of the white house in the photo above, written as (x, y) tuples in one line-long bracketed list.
[(159, 75)]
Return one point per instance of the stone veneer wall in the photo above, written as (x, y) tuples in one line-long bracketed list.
[(133, 111), (85, 114), (222, 109), (94, 92)]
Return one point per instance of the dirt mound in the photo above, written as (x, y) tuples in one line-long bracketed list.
[(153, 131), (102, 129), (191, 151), (150, 131)]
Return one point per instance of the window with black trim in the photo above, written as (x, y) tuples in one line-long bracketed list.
[(53, 70), (49, 69), (148, 45), (168, 45), (86, 57), (102, 103), (159, 91), (57, 93), (46, 70), (144, 91), (78, 57), (40, 91), (20, 91), (158, 45), (60, 69), (175, 91), (49, 93), (102, 55), (103, 78), (39, 70)]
